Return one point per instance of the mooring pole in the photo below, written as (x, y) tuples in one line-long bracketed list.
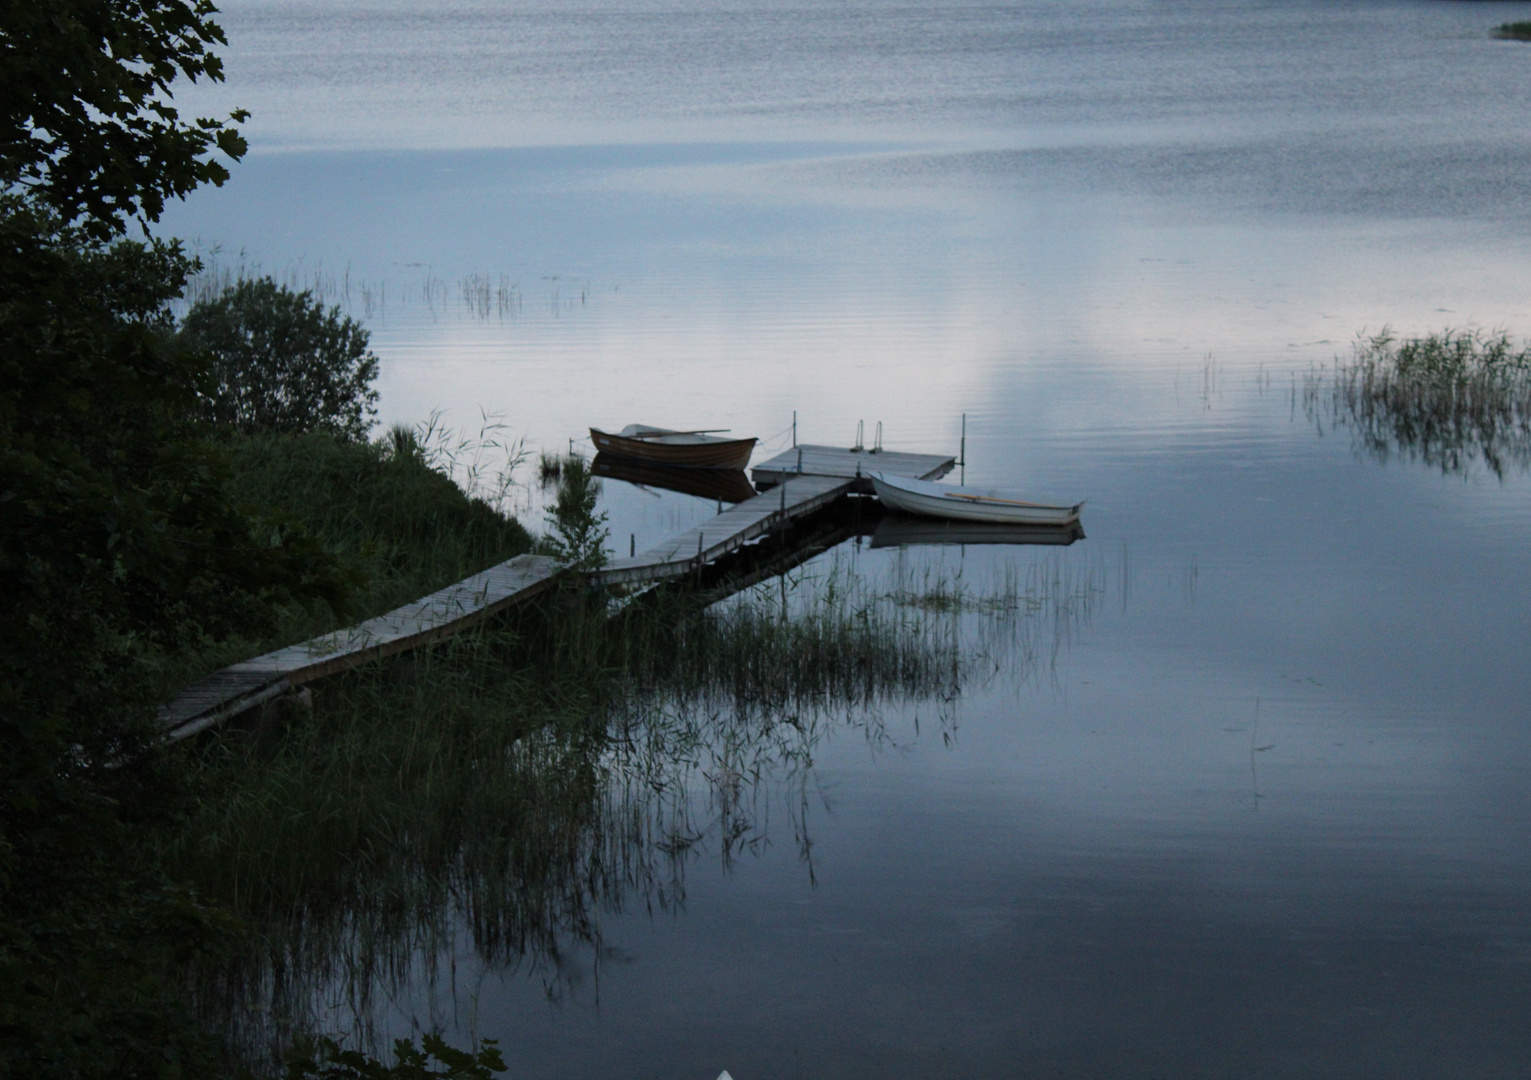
[(794, 431), (964, 451), (632, 544)]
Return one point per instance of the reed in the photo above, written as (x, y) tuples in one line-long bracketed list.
[(1450, 400), (508, 789)]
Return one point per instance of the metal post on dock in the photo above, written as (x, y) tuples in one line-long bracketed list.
[(963, 455), (794, 434), (877, 442), (699, 556), (799, 459)]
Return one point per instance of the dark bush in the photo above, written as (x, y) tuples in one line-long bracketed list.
[(281, 362)]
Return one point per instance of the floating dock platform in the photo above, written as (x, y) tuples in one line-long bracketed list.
[(853, 465)]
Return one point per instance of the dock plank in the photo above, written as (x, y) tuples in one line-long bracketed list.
[(241, 686), (835, 461), (684, 554)]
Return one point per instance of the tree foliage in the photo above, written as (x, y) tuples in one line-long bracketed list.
[(280, 362), (119, 541), (119, 546), (87, 128)]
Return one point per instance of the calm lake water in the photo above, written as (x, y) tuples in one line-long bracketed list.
[(1258, 804)]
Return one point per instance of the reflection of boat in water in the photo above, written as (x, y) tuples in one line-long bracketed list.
[(730, 485), (966, 504), (899, 530), (684, 449)]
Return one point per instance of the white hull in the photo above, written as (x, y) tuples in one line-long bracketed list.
[(966, 504)]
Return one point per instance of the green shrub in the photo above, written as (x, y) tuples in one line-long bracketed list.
[(280, 362), (579, 534)]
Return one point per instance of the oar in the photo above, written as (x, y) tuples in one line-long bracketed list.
[(662, 434)]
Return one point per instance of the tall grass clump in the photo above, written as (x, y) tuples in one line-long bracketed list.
[(1450, 399)]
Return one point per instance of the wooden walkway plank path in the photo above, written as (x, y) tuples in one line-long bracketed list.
[(807, 479), (244, 685), (728, 531), (854, 465)]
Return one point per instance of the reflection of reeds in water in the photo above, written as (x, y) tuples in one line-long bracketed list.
[(503, 792), (478, 296), (1449, 399)]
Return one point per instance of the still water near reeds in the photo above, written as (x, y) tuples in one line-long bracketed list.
[(1260, 810)]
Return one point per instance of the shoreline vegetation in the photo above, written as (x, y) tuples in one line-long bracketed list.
[(1513, 31)]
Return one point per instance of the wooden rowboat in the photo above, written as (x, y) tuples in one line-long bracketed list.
[(966, 504), (685, 449)]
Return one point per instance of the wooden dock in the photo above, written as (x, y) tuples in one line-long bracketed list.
[(853, 465), (803, 482), (728, 531), (245, 685)]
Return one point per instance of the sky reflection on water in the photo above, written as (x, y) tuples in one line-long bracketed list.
[(1117, 237)]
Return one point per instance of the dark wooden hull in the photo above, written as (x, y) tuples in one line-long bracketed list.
[(730, 485), (698, 452)]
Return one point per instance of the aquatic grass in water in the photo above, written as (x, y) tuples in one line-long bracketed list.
[(503, 790), (1450, 399)]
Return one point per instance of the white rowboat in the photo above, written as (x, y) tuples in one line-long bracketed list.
[(966, 504)]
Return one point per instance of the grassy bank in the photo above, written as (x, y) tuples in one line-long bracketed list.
[(399, 526)]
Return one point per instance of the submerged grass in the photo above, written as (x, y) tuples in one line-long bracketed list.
[(1450, 399)]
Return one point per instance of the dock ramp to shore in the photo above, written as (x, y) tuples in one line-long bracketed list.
[(795, 491)]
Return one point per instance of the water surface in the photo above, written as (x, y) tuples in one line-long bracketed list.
[(1262, 811)]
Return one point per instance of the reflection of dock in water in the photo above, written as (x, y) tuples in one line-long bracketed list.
[(802, 514)]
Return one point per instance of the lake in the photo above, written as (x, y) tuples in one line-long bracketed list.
[(1246, 794)]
